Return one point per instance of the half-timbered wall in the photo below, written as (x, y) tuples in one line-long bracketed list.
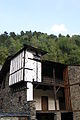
[(24, 67), (32, 73), (16, 69), (32, 68)]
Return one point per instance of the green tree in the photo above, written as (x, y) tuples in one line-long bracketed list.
[(3, 54)]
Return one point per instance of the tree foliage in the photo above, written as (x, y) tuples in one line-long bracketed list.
[(64, 49)]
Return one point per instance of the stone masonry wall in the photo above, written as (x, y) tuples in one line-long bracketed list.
[(12, 101), (13, 118), (74, 80), (16, 103), (32, 110)]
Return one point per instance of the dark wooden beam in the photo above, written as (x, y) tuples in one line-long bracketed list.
[(49, 84), (78, 83), (67, 90), (24, 66), (54, 89), (53, 111)]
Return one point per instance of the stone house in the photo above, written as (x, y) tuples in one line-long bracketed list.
[(31, 88)]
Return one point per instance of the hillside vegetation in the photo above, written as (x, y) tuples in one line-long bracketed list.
[(64, 49)]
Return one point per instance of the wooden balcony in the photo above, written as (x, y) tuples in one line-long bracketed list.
[(50, 80), (47, 83)]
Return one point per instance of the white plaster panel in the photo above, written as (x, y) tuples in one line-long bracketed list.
[(57, 101), (34, 70), (16, 69), (29, 54), (17, 63), (29, 64), (14, 78), (37, 98), (39, 71), (29, 91), (28, 75)]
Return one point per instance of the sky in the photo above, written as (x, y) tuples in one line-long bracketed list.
[(47, 16)]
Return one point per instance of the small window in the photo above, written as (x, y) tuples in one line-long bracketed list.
[(20, 99), (3, 84), (1, 103)]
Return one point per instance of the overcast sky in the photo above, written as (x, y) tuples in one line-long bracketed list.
[(48, 16)]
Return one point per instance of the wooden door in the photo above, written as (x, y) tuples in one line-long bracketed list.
[(44, 100)]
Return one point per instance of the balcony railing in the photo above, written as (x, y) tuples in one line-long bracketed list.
[(51, 80)]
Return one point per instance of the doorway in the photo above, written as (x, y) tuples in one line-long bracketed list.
[(45, 116), (44, 103), (67, 116)]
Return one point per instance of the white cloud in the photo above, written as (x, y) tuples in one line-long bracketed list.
[(59, 28)]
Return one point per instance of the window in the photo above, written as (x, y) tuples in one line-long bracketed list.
[(3, 84), (1, 103), (47, 69), (20, 99)]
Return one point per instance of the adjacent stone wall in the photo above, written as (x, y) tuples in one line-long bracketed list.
[(74, 80), (9, 118), (15, 102), (32, 110), (76, 116), (57, 116), (13, 118), (10, 101), (74, 74)]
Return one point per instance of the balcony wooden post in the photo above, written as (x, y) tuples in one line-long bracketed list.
[(54, 89)]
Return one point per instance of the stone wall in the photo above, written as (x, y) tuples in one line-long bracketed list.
[(13, 118), (74, 80), (76, 116), (74, 74), (11, 101), (15, 102), (9, 118), (32, 110)]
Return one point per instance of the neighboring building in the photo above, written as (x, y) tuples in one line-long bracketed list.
[(36, 89)]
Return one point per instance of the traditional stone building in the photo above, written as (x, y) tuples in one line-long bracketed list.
[(74, 82), (35, 89)]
